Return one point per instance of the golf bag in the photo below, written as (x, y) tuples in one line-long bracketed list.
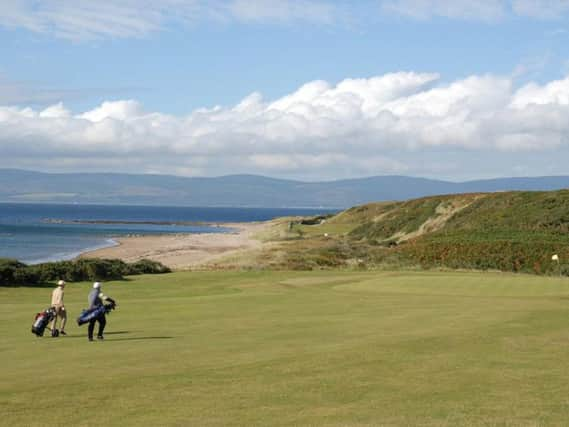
[(42, 320), (87, 315)]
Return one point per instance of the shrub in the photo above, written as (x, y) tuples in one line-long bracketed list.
[(147, 266), (8, 271), (14, 273)]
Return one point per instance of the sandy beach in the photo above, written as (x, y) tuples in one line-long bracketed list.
[(186, 251)]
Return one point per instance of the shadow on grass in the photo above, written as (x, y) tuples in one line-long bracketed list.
[(141, 338), (84, 335)]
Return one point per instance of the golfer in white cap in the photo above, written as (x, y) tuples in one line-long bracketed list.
[(96, 299), (57, 304)]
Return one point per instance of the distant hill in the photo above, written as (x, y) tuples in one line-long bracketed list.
[(508, 231), (240, 190)]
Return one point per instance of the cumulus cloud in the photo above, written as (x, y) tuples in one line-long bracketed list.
[(556, 92), (386, 124)]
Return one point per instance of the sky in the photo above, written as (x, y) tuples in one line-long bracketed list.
[(299, 89)]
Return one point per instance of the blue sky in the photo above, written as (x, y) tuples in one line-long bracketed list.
[(446, 89)]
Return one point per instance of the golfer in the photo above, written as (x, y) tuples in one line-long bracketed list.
[(96, 299), (57, 304)]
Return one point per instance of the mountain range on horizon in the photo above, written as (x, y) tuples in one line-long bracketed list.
[(18, 185)]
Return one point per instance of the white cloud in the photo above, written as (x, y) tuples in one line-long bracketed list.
[(84, 19), (486, 10), (80, 20), (479, 10), (383, 124), (119, 110), (286, 11), (544, 9), (56, 111), (556, 93)]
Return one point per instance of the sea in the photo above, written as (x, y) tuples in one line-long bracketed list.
[(36, 233)]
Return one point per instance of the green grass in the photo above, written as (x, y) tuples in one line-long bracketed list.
[(296, 348), (405, 218), (510, 231), (332, 229)]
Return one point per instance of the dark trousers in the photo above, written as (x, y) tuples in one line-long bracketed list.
[(102, 322)]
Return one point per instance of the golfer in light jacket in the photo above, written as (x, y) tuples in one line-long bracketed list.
[(57, 304)]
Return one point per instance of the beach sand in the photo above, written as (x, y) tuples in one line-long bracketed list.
[(186, 251)]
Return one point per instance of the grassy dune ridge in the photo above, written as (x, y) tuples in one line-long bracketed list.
[(510, 231), (296, 348)]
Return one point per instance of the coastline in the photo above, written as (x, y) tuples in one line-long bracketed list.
[(185, 250), (109, 243)]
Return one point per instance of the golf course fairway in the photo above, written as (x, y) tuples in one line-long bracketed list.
[(295, 348)]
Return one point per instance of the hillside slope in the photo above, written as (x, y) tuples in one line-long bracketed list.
[(510, 231)]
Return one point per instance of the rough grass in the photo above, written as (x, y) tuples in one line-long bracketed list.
[(511, 231), (411, 219), (285, 348)]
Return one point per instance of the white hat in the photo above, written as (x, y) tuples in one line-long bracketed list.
[(61, 283), (96, 285)]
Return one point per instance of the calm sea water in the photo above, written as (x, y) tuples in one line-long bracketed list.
[(34, 233)]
